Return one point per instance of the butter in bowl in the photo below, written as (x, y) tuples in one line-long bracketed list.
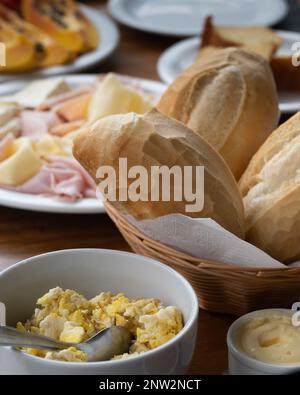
[(264, 342)]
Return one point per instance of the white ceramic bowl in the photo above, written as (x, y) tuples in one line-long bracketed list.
[(240, 363), (90, 271)]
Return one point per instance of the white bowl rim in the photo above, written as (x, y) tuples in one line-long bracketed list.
[(184, 330), (241, 355)]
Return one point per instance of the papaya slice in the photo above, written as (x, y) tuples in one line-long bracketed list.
[(74, 109), (63, 21), (48, 52), (65, 128), (20, 52)]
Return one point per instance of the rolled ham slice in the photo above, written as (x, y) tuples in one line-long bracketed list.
[(54, 101), (36, 123), (62, 178), (66, 128)]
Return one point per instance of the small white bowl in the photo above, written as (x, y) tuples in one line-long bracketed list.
[(90, 271), (239, 363)]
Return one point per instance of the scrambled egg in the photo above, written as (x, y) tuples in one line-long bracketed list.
[(69, 317)]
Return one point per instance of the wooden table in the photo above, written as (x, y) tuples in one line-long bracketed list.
[(24, 234)]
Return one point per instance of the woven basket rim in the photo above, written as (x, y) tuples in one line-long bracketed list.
[(194, 261)]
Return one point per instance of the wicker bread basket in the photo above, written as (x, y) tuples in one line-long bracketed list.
[(220, 287)]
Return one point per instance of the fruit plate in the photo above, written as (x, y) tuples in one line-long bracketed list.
[(181, 55), (48, 204), (109, 40)]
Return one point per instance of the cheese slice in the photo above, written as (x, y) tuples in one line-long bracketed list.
[(113, 97), (37, 92), (21, 165), (24, 157), (52, 145)]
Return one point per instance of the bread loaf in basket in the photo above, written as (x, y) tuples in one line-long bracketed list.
[(156, 139)]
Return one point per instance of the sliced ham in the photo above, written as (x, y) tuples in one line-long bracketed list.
[(36, 123), (74, 109), (54, 101), (63, 178), (66, 128)]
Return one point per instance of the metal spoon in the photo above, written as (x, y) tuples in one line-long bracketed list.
[(103, 346)]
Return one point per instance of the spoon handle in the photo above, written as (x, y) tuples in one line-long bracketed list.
[(16, 338)]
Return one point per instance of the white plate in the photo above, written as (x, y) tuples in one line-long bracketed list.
[(186, 17), (109, 40), (181, 55), (48, 204)]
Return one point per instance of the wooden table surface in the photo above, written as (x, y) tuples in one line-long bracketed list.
[(24, 234)]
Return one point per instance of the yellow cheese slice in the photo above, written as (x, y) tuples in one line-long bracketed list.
[(21, 165), (52, 145), (113, 97), (25, 157)]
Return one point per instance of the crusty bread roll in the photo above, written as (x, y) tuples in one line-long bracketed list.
[(229, 98), (271, 190), (155, 140), (259, 39)]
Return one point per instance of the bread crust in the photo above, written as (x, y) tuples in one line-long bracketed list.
[(229, 98), (156, 140), (258, 39), (271, 191)]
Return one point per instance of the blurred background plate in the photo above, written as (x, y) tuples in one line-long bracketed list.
[(186, 17), (180, 56), (48, 204), (109, 40)]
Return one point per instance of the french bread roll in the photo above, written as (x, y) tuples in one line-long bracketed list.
[(259, 39), (156, 140), (271, 190), (229, 98)]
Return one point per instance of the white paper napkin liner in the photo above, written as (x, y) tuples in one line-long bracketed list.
[(205, 239)]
